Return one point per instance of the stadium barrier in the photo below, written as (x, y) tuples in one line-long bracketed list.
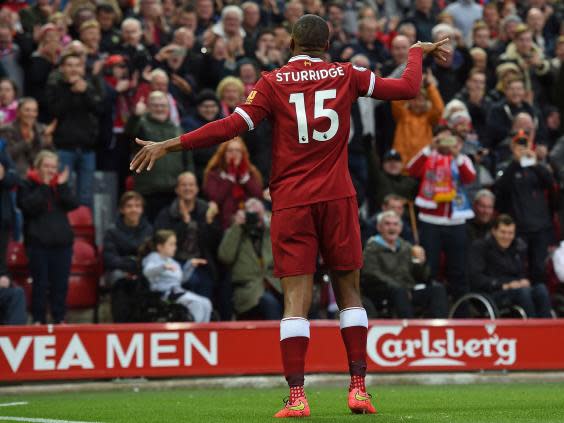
[(246, 348)]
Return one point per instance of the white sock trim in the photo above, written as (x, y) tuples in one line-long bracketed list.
[(291, 327), (353, 316)]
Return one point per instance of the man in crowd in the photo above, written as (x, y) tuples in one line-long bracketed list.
[(480, 225), (398, 267), (497, 268)]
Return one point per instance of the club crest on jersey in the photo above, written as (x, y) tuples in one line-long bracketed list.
[(307, 63), (251, 97), (359, 68)]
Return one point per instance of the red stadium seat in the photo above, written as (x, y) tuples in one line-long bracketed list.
[(83, 224), (83, 291), (16, 256)]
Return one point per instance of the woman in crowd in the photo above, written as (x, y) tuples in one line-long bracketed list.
[(231, 93), (8, 101), (26, 137), (45, 199), (230, 179)]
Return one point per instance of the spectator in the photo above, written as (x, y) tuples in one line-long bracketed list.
[(247, 249), (444, 207), (530, 58), (231, 93), (90, 36), (155, 27), (76, 102), (423, 18), (25, 137), (415, 119), (165, 276), (155, 124), (473, 95), (205, 14), (366, 43), (8, 101), (390, 179), (45, 199), (197, 231), (464, 14), (36, 15), (230, 179), (207, 110), (229, 26), (452, 73), (158, 80), (399, 49), (501, 116), (8, 182), (398, 268), (11, 57), (267, 52), (175, 61), (121, 247), (520, 192), (113, 147), (12, 303), (137, 54), (481, 224), (397, 204), (497, 268), (41, 63), (109, 35)]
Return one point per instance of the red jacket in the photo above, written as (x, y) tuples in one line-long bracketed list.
[(442, 214)]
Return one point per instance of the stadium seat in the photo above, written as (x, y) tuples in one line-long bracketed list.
[(83, 291), (16, 256), (83, 224)]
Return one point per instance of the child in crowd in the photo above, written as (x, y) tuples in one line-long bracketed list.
[(166, 276)]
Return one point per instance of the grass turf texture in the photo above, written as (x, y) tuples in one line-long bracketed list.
[(456, 403)]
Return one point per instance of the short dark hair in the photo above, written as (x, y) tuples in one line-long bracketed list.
[(311, 32), (393, 197), (128, 196), (503, 219), (105, 7)]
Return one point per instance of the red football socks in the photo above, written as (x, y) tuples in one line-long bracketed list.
[(294, 340), (354, 330)]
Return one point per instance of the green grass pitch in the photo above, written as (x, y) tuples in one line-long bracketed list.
[(497, 403)]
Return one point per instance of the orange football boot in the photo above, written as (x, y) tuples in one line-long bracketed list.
[(298, 408), (359, 402)]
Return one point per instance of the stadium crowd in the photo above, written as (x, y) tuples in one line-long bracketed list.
[(460, 189)]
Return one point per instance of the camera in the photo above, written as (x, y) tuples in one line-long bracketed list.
[(520, 138), (251, 226)]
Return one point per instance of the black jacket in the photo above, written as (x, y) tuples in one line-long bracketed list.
[(9, 181), (45, 211), (489, 266), (76, 114), (196, 238), (121, 245), (520, 192)]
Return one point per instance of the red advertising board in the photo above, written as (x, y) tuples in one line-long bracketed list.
[(237, 348)]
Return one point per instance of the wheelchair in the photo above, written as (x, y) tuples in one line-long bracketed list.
[(138, 304)]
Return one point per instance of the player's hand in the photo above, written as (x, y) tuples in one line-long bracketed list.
[(148, 155), (438, 49)]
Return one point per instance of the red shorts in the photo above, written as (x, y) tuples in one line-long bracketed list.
[(330, 228)]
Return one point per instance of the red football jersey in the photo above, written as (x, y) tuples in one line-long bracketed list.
[(308, 101)]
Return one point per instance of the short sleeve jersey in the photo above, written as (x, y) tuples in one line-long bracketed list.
[(308, 102)]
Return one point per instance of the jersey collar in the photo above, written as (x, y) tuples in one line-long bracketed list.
[(304, 57)]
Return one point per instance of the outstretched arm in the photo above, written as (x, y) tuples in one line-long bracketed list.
[(208, 135), (408, 85)]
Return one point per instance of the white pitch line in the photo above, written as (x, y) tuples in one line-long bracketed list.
[(33, 420), (11, 404)]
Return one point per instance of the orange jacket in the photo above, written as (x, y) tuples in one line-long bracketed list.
[(414, 132)]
